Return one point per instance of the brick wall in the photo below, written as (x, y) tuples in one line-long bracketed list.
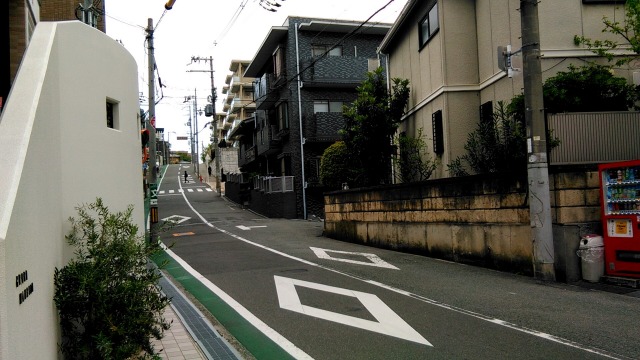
[(61, 10), (481, 220), (17, 36)]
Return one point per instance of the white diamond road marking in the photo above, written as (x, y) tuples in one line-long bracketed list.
[(374, 260), (389, 323), (242, 227), (176, 219)]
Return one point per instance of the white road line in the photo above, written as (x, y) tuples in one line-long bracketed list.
[(200, 190), (171, 191), (208, 189), (283, 342), (492, 320), (387, 321), (190, 190), (374, 260)]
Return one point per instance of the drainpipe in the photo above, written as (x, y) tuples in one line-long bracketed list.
[(302, 140), (386, 69)]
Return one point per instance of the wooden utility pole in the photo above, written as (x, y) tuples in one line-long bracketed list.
[(214, 122), (537, 163), (151, 118)]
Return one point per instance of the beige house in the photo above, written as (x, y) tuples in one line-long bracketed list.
[(448, 51)]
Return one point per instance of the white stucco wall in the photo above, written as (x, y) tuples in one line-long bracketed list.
[(58, 153)]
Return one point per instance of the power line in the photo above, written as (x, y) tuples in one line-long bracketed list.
[(124, 22), (232, 21), (326, 52)]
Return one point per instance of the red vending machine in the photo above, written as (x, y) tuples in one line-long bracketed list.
[(620, 194)]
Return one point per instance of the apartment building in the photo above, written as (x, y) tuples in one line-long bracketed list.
[(238, 101), (305, 71), (61, 10), (19, 19), (448, 51)]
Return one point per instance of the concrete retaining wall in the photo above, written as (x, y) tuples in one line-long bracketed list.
[(481, 220)]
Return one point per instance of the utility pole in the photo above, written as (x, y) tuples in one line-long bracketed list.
[(537, 166), (194, 144), (151, 119), (214, 121)]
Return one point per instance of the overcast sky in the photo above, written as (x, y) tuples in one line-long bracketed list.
[(223, 29)]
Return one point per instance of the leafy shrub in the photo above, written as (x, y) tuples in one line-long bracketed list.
[(336, 166), (370, 123), (413, 162), (107, 297), (494, 146)]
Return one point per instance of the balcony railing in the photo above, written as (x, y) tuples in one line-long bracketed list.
[(271, 184), (323, 127), (265, 91), (271, 144), (335, 71)]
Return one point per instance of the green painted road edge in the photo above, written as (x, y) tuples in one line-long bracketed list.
[(257, 343)]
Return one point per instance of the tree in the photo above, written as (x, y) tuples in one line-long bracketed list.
[(107, 297), (628, 31), (495, 146), (413, 162), (370, 123), (588, 88)]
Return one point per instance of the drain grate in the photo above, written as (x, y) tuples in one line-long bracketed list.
[(210, 342)]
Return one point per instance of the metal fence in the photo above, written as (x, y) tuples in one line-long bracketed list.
[(271, 184), (598, 137), (237, 178)]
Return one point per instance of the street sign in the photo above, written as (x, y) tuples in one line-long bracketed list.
[(153, 188)]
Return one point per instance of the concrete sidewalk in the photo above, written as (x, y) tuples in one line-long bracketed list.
[(177, 343), (191, 335)]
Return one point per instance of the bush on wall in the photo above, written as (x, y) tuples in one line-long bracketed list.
[(107, 297)]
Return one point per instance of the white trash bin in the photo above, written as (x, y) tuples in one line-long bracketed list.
[(591, 252)]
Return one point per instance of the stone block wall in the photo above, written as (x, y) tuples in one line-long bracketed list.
[(481, 220)]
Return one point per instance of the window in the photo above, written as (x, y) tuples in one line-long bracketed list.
[(319, 50), (373, 64), (112, 114), (486, 112), (335, 106), (283, 116), (327, 106), (438, 132), (429, 25), (320, 106), (278, 62)]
